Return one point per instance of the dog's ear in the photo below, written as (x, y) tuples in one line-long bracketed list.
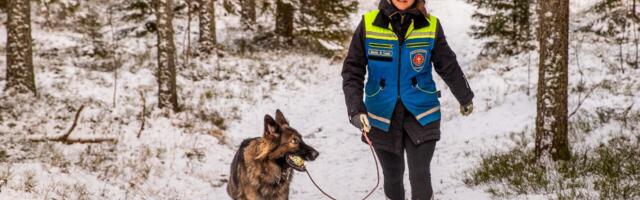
[(270, 127), (280, 119)]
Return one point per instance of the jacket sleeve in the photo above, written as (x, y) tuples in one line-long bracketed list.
[(446, 65), (354, 69)]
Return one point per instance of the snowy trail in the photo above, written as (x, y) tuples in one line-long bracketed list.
[(345, 167)]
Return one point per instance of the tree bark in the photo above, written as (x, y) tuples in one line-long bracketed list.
[(248, 13), (551, 120), (166, 74), (207, 17), (20, 72), (284, 19), (634, 9)]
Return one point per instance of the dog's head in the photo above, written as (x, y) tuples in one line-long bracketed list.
[(279, 132)]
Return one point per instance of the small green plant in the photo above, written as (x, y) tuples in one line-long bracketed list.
[(29, 184), (82, 193), (609, 170), (5, 176), (3, 155), (517, 169)]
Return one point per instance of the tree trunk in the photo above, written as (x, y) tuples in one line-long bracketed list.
[(206, 15), (635, 35), (166, 74), (551, 120), (284, 19), (634, 9), (20, 74), (248, 13)]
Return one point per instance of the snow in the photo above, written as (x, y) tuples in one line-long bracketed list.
[(180, 156)]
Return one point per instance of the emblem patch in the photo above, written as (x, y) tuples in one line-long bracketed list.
[(418, 59)]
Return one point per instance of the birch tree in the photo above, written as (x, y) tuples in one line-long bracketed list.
[(20, 74), (166, 74), (207, 20), (551, 120)]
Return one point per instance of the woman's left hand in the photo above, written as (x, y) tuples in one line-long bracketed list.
[(466, 110)]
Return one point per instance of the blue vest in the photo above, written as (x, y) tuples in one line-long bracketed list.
[(400, 72)]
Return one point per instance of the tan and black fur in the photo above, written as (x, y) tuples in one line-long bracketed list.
[(259, 170)]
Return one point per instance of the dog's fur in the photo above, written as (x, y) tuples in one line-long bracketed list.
[(259, 170)]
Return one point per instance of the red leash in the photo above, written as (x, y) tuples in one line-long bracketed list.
[(375, 158)]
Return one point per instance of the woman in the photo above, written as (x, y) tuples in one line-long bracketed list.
[(396, 46)]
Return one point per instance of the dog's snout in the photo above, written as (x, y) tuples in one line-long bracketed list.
[(313, 155)]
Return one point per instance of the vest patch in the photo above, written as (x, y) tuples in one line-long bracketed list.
[(381, 53), (418, 58)]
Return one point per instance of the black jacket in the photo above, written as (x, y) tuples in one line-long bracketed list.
[(444, 62)]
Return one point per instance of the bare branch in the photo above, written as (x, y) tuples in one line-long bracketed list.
[(581, 101), (64, 138)]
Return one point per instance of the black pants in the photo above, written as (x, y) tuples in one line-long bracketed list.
[(418, 159)]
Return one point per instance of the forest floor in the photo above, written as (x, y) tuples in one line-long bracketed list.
[(187, 155)]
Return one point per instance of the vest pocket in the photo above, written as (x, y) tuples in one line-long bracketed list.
[(380, 45), (424, 89), (433, 92), (418, 44), (373, 89)]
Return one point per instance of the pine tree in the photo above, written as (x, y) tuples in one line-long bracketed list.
[(617, 22), (326, 19), (551, 120), (319, 19), (90, 25), (206, 17), (136, 12), (506, 24), (166, 74), (20, 72)]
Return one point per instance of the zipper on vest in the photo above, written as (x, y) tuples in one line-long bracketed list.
[(399, 66)]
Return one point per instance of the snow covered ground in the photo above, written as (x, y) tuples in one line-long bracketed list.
[(179, 157)]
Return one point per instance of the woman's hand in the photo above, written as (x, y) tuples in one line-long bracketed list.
[(466, 110), (361, 121)]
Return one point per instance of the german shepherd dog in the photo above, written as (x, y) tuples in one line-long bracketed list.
[(259, 170)]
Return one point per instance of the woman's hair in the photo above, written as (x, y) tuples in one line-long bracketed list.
[(422, 7)]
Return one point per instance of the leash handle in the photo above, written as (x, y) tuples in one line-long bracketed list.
[(366, 137)]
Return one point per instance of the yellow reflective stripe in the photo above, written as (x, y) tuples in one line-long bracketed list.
[(428, 112), (380, 34), (382, 38), (382, 119), (417, 34)]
